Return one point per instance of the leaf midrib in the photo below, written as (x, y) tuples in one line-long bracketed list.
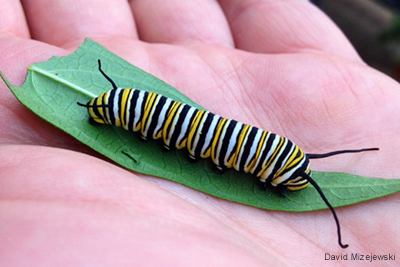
[(57, 78)]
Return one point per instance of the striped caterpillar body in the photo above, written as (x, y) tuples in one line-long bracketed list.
[(272, 158), (229, 143)]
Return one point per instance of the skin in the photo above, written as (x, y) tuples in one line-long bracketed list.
[(280, 65)]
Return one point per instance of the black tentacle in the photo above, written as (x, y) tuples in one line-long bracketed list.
[(106, 76), (325, 155), (329, 206)]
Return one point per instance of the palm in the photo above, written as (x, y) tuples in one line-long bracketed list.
[(70, 205)]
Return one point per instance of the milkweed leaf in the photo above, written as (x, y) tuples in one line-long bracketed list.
[(53, 88)]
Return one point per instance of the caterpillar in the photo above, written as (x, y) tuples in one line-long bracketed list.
[(272, 158)]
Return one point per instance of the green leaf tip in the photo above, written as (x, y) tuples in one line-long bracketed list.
[(9, 85), (53, 88)]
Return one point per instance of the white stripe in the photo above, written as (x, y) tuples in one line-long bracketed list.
[(173, 124), (261, 152), (150, 117), (253, 149), (220, 141), (241, 151), (271, 169), (210, 136), (196, 136), (162, 117), (232, 142), (127, 108), (138, 110), (286, 158), (185, 125)]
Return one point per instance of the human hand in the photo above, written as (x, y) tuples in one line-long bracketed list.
[(282, 66)]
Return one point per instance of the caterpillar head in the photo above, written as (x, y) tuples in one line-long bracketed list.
[(98, 110)]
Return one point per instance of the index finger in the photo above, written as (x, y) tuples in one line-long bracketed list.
[(66, 23)]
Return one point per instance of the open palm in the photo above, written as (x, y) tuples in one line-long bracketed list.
[(279, 65)]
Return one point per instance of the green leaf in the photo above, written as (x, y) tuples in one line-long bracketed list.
[(52, 89)]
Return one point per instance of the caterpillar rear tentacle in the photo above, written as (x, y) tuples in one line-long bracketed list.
[(273, 159)]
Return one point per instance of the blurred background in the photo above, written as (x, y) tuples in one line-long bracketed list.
[(372, 26)]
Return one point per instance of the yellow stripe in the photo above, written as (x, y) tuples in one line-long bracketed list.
[(193, 129), (124, 104), (170, 117), (106, 100), (219, 130), (308, 171), (243, 134), (99, 103), (298, 159), (288, 161), (297, 188), (147, 110), (102, 100), (90, 109)]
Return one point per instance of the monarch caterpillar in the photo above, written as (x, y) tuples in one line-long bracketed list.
[(229, 143)]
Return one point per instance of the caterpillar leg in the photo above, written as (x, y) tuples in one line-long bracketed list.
[(93, 122), (265, 185), (281, 191), (219, 169), (192, 158), (166, 148), (142, 138)]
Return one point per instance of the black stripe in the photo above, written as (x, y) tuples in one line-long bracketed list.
[(120, 105), (111, 106), (96, 109), (150, 108), (196, 134), (296, 165), (126, 111), (165, 117), (203, 134), (281, 159), (247, 146), (185, 136), (156, 115), (233, 152), (103, 107), (171, 125), (299, 185), (226, 141), (132, 114), (213, 133), (258, 144), (146, 95), (264, 154), (178, 126)]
